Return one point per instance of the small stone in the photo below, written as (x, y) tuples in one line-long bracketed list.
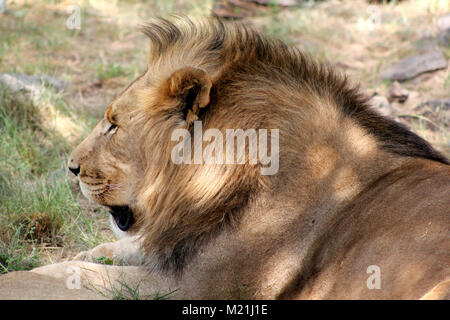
[(443, 22), (427, 34), (444, 37), (31, 84), (412, 66), (381, 104), (397, 93)]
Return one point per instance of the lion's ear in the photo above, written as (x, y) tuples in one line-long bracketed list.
[(191, 86)]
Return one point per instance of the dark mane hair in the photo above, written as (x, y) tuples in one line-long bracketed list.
[(234, 45)]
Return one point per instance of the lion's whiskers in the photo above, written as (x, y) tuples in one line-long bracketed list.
[(115, 186)]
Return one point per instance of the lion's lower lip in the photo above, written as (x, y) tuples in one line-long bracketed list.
[(123, 216)]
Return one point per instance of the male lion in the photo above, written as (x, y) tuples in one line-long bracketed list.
[(359, 208)]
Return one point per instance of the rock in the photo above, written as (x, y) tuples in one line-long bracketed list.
[(53, 82), (426, 34), (444, 37), (18, 82), (31, 84), (2, 6), (381, 104), (435, 104), (412, 66), (443, 22), (397, 93)]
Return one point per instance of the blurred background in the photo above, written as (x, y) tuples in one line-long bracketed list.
[(61, 62)]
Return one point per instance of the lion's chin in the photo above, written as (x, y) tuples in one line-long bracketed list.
[(121, 217)]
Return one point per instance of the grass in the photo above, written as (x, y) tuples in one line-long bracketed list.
[(112, 70), (120, 289), (14, 255), (38, 206), (104, 260), (43, 217), (125, 291)]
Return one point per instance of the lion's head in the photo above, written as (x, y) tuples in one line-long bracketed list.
[(226, 76), (126, 164)]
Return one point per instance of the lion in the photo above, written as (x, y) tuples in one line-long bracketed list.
[(358, 207)]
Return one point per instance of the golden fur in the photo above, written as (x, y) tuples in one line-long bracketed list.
[(353, 189)]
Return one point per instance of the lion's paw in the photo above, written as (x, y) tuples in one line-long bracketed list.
[(101, 254), (122, 252)]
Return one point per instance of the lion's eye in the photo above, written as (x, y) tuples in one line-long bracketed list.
[(112, 127)]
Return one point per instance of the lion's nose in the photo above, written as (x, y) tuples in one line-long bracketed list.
[(74, 166), (75, 171)]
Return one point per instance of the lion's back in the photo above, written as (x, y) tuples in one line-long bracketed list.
[(398, 227)]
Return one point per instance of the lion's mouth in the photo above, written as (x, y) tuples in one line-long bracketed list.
[(123, 216)]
